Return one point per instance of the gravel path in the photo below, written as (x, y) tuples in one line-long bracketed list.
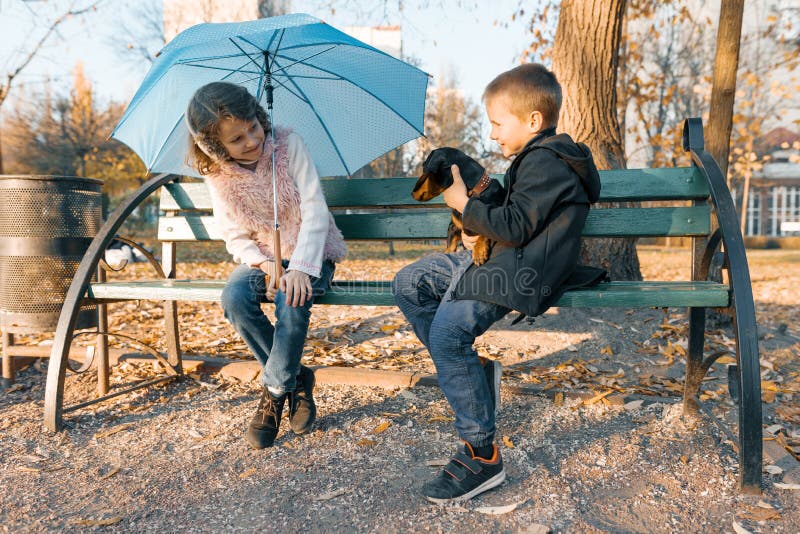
[(173, 458)]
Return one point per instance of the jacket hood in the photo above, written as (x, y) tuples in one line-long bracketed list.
[(579, 158)]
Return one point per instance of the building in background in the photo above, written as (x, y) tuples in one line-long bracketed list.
[(773, 204), (388, 39), (773, 207), (180, 14)]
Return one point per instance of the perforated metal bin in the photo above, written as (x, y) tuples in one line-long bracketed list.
[(46, 225)]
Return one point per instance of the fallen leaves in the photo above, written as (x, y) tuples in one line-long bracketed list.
[(110, 474), (332, 494), (112, 431), (97, 522), (786, 485), (251, 471), (440, 419), (381, 428), (497, 510)]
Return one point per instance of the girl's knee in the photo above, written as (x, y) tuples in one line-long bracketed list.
[(236, 295)]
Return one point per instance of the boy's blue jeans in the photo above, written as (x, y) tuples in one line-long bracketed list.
[(277, 348), (448, 328)]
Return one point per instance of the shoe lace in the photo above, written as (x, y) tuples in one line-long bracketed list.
[(267, 407)]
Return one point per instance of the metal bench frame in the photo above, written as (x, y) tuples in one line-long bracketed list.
[(698, 294)]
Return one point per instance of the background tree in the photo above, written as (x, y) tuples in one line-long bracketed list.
[(139, 32), (68, 135), (585, 63), (451, 119), (29, 51)]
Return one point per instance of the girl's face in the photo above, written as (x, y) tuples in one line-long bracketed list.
[(244, 140)]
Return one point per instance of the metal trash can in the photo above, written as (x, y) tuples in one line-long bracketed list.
[(46, 225)]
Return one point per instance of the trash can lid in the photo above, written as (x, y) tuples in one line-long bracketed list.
[(50, 178)]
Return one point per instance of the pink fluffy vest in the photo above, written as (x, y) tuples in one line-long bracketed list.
[(248, 197)]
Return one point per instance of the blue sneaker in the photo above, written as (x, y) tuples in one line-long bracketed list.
[(465, 476)]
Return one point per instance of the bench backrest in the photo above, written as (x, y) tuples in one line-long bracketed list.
[(382, 208)]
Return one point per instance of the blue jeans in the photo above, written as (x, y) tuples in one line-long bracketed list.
[(277, 348), (448, 328)]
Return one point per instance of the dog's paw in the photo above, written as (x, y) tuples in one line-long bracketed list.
[(480, 253)]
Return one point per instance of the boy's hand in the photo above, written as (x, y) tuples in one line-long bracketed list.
[(297, 286), (455, 196), (469, 240)]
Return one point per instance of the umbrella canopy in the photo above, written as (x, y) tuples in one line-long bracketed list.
[(349, 102)]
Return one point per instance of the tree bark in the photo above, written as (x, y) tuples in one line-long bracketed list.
[(720, 116), (585, 60), (723, 89)]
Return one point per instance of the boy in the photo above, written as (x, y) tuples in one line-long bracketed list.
[(449, 301)]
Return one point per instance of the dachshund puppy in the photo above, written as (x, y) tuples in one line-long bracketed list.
[(436, 177)]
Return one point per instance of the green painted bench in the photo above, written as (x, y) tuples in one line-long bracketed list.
[(382, 209)]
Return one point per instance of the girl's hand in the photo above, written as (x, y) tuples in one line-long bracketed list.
[(297, 286), (455, 196), (272, 272)]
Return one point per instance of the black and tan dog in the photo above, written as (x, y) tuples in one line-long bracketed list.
[(437, 176)]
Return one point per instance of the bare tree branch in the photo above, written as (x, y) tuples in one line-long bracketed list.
[(71, 12)]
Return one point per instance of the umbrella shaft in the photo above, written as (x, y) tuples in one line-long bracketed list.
[(276, 249)]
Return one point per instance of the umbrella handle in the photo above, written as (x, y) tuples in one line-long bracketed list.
[(276, 250)]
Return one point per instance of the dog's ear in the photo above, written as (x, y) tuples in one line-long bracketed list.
[(426, 163), (425, 188), (433, 163)]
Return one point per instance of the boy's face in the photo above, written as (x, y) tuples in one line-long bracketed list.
[(510, 131), (244, 140)]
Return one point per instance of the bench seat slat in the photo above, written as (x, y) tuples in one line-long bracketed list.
[(611, 294), (675, 183), (676, 221)]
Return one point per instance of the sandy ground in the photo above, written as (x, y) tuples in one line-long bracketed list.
[(172, 458)]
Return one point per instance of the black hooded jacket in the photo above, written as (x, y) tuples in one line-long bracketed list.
[(537, 230)]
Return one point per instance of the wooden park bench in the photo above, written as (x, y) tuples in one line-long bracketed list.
[(382, 209)]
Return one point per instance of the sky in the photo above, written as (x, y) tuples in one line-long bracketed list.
[(473, 40)]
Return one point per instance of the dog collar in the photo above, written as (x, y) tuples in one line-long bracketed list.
[(481, 186)]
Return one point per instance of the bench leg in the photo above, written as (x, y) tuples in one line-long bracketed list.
[(749, 401), (8, 364), (173, 338), (102, 350), (695, 368)]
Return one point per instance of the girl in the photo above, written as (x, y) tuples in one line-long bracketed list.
[(232, 148)]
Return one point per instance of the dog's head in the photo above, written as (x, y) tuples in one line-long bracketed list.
[(437, 176)]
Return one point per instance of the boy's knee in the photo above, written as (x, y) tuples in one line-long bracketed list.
[(446, 336), (404, 282)]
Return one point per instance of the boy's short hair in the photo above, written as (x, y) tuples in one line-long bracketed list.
[(529, 87)]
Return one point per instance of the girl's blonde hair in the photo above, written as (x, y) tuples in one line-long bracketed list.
[(208, 107)]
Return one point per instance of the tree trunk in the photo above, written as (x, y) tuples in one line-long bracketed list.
[(720, 117), (723, 89), (585, 60)]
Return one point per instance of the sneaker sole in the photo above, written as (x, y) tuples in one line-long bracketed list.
[(493, 482), (257, 442)]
